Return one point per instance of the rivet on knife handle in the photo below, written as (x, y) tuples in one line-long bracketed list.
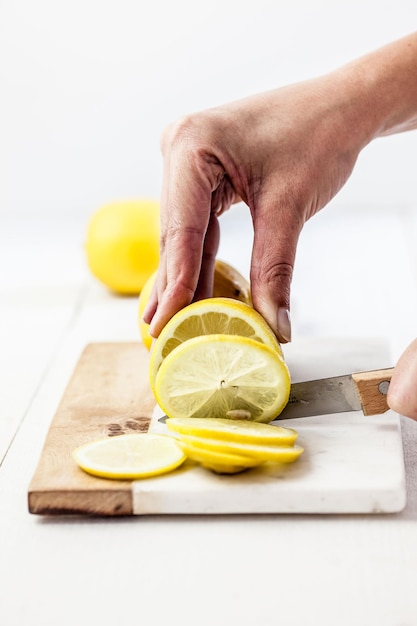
[(372, 388)]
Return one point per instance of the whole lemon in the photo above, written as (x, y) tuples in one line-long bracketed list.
[(122, 244)]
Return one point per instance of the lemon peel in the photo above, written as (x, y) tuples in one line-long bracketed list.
[(233, 430), (259, 452), (122, 244), (219, 462)]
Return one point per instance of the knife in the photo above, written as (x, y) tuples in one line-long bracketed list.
[(366, 391), (360, 391)]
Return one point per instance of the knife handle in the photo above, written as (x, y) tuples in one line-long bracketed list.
[(372, 389)]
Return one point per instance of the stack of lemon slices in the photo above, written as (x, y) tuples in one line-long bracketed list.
[(227, 446), (218, 372), (218, 358)]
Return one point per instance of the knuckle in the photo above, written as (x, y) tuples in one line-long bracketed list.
[(183, 130), (162, 241), (196, 131), (277, 272), (184, 241), (191, 233), (180, 292), (274, 278)]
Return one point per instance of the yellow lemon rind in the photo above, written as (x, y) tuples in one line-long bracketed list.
[(143, 301), (217, 461), (227, 429), (122, 244), (263, 453)]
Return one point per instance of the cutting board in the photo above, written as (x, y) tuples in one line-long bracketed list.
[(350, 464)]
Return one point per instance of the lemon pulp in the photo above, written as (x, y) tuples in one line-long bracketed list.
[(130, 456), (212, 316), (213, 375)]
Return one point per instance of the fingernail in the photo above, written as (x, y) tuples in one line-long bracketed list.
[(284, 324), (279, 320)]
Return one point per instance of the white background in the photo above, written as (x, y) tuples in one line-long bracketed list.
[(87, 86)]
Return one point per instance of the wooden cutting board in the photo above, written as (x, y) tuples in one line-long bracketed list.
[(351, 464)]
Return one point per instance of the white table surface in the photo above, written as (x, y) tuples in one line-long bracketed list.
[(356, 276)]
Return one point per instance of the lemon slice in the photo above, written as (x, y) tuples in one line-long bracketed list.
[(228, 282), (224, 316), (233, 430), (130, 456), (261, 452), (219, 462), (214, 375)]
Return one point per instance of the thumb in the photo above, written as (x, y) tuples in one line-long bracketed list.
[(402, 392), (272, 264)]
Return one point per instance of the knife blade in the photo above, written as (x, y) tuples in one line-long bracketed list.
[(366, 391)]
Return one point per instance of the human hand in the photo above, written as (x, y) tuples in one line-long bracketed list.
[(402, 392), (285, 153)]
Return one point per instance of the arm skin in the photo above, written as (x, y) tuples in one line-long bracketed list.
[(285, 153)]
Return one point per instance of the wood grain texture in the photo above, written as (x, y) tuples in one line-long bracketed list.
[(372, 388), (107, 395)]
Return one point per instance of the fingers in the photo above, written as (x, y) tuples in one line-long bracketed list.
[(211, 243), (151, 306), (276, 233), (185, 233), (189, 237), (204, 288), (402, 392)]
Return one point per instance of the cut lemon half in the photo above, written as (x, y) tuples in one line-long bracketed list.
[(230, 283), (130, 456), (219, 462), (233, 430), (143, 301), (212, 316), (260, 452), (219, 375)]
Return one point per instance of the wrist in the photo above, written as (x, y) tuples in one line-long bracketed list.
[(385, 83)]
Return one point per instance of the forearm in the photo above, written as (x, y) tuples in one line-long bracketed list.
[(387, 84)]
